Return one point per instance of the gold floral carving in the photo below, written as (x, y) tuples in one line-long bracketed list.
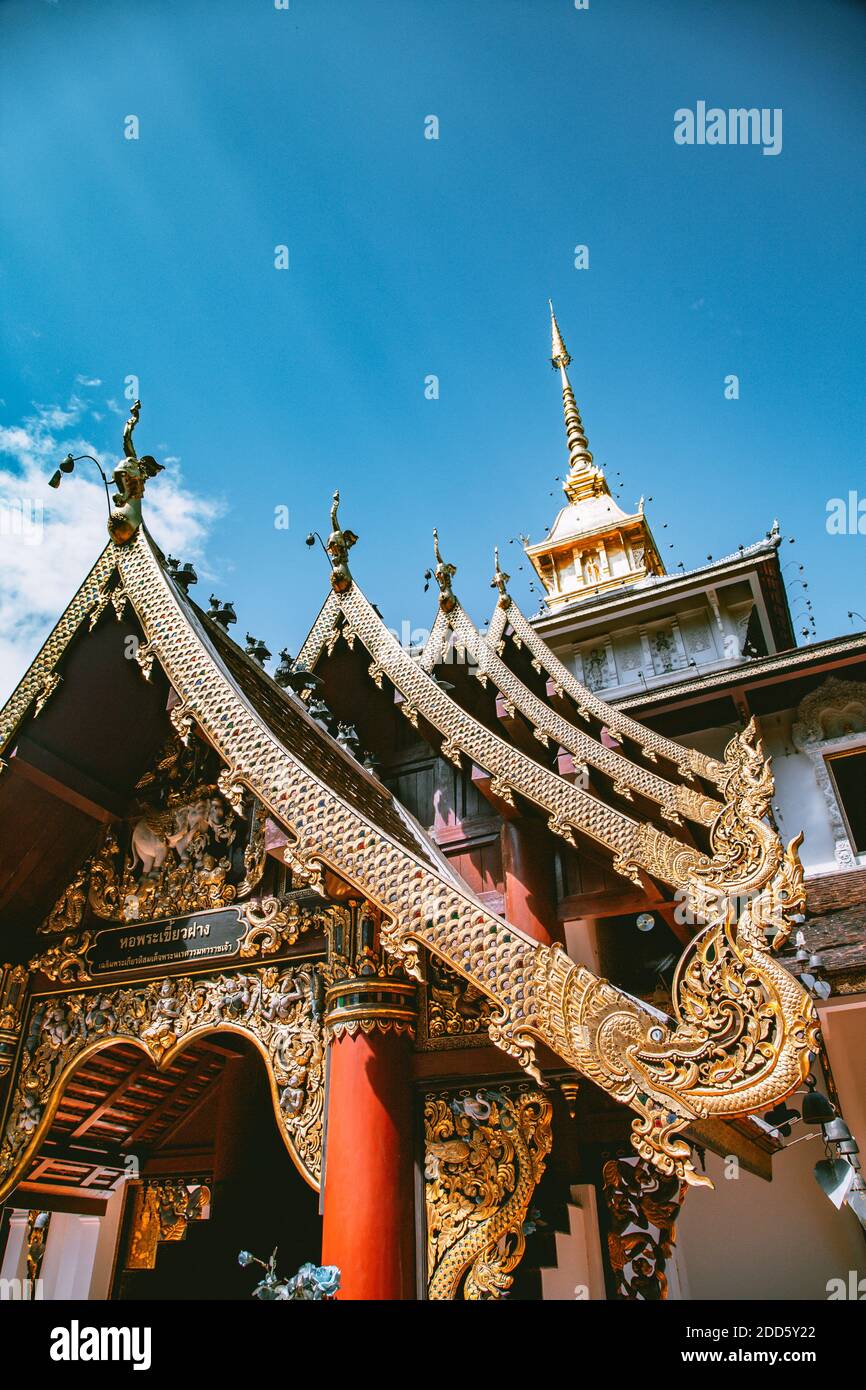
[(305, 869), (46, 690), (277, 922), (255, 853), (162, 1211), (64, 962), (275, 1005), (38, 1223), (182, 720), (484, 1154), (455, 1010), (499, 787), (145, 655), (643, 1208), (14, 980), (67, 913)]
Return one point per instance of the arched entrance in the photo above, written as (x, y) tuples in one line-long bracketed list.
[(149, 1180)]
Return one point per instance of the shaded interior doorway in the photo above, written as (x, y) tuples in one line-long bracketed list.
[(155, 1180)]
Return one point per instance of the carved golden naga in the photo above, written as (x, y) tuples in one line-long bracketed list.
[(743, 1026)]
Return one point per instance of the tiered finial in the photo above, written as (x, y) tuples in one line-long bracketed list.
[(584, 478)]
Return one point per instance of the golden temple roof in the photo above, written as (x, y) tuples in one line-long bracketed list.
[(743, 1027), (593, 545)]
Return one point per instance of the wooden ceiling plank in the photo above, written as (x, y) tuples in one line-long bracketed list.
[(172, 1099), (113, 1095)]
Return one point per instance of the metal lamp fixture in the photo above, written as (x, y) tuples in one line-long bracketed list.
[(68, 465)]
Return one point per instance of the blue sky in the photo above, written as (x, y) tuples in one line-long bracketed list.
[(412, 257)]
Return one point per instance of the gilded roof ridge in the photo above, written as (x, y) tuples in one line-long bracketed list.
[(674, 799), (41, 675), (569, 808), (260, 674), (689, 761)]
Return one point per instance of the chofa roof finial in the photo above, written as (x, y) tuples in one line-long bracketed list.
[(130, 477), (500, 580), (338, 547), (443, 574)]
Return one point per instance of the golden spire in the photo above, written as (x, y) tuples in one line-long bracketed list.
[(561, 356), (584, 478), (593, 545)]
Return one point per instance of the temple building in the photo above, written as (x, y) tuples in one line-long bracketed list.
[(501, 968)]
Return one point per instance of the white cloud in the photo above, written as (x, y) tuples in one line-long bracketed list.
[(49, 539), (88, 381)]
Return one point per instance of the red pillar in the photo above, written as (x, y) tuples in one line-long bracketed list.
[(369, 1204), (530, 884)]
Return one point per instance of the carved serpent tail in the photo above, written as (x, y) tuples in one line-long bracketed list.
[(487, 1239)]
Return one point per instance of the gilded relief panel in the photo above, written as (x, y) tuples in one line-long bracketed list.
[(484, 1154), (277, 1006)]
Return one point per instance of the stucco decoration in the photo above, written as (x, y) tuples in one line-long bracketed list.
[(832, 719)]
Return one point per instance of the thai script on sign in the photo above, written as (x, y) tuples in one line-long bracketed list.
[(203, 936), (188, 932)]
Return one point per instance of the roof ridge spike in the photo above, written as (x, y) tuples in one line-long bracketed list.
[(560, 356)]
